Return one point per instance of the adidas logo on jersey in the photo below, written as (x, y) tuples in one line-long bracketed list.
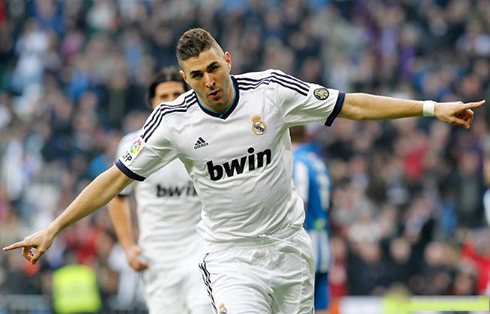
[(200, 143), (237, 166)]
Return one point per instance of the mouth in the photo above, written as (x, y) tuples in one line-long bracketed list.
[(215, 93)]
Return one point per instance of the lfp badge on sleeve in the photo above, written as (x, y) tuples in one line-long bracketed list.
[(134, 149)]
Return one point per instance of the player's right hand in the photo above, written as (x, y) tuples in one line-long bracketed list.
[(133, 254), (41, 241)]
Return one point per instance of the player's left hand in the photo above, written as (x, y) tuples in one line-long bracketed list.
[(457, 113)]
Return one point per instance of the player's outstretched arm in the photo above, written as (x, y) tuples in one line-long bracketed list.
[(360, 106), (120, 213), (95, 195)]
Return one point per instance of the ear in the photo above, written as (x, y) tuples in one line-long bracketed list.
[(183, 76), (228, 60)]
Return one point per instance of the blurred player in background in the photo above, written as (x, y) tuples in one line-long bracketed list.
[(312, 181), (168, 211), (232, 134)]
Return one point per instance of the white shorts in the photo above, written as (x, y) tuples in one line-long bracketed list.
[(176, 290), (268, 275)]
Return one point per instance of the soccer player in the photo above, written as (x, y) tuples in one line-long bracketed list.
[(168, 211), (232, 134), (312, 181)]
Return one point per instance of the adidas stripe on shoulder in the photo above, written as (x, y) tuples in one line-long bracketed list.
[(163, 109), (286, 81)]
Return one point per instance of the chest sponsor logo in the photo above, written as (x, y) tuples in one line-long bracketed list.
[(258, 126), (176, 191), (237, 166)]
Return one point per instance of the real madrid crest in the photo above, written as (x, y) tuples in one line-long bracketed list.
[(222, 309), (321, 93), (258, 127)]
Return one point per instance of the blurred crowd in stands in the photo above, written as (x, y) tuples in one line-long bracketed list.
[(408, 204)]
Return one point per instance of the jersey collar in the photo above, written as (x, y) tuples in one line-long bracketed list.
[(229, 110)]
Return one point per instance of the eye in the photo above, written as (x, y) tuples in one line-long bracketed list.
[(196, 75), (213, 68)]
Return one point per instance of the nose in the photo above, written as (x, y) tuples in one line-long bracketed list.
[(209, 80)]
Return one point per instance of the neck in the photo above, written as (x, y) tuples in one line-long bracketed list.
[(227, 102)]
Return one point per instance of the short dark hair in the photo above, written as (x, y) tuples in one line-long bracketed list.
[(168, 74), (193, 42)]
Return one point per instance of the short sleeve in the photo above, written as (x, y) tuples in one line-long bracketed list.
[(124, 144), (304, 103), (150, 151)]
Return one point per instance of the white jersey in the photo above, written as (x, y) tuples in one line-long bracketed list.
[(168, 209), (240, 161)]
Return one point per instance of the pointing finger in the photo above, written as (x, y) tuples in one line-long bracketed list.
[(16, 245), (472, 105)]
